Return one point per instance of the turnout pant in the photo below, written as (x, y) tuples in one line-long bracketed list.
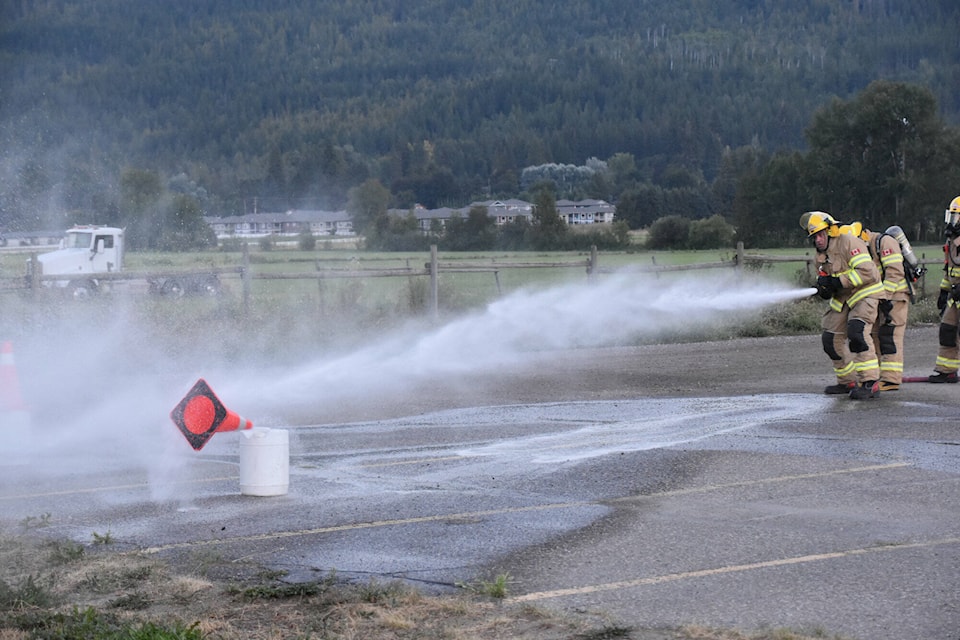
[(847, 341), (948, 356), (888, 340)]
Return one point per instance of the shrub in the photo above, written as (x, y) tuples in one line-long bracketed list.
[(712, 233), (671, 232), (307, 241)]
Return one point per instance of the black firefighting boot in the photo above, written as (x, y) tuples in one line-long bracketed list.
[(841, 388), (940, 377), (867, 390)]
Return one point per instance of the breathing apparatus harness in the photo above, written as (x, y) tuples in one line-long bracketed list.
[(912, 269)]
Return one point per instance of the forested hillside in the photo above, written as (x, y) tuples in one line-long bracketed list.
[(291, 103)]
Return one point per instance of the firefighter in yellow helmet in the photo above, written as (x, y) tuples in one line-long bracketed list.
[(850, 280), (894, 304), (948, 356)]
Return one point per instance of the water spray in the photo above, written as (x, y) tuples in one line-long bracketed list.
[(618, 309), (127, 426)]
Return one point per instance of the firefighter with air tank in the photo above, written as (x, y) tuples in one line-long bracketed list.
[(948, 355), (850, 280), (899, 269)]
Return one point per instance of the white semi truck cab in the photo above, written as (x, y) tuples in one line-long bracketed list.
[(88, 252), (85, 249)]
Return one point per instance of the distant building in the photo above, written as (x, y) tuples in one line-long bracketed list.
[(339, 223), (290, 223), (502, 211), (585, 211), (426, 218), (506, 211)]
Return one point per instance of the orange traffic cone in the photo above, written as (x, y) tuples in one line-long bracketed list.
[(10, 397), (201, 414)]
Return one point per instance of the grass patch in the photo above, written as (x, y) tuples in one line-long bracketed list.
[(65, 551), (29, 592), (281, 591), (35, 522), (606, 633), (106, 595), (104, 538), (497, 588), (91, 624)]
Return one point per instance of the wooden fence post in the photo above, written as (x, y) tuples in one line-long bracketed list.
[(434, 283), (740, 257), (923, 278), (245, 278), (592, 265), (34, 274), (321, 287)]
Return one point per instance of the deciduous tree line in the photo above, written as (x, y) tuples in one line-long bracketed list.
[(245, 105), (883, 158)]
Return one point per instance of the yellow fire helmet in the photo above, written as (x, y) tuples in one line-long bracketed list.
[(952, 215), (816, 221), (852, 229)]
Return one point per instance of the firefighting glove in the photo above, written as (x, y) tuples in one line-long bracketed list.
[(827, 286), (886, 306), (942, 300)]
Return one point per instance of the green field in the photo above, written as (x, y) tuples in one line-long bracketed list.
[(282, 316), (475, 288), (457, 290)]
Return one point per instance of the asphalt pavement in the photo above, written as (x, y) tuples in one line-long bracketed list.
[(657, 485)]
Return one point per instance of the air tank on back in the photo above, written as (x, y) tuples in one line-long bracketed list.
[(916, 269)]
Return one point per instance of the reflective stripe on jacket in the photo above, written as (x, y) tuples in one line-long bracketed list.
[(848, 258), (886, 252)]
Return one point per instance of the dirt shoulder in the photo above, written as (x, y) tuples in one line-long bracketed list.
[(58, 589)]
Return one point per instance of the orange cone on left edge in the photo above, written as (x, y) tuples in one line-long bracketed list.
[(201, 414), (10, 396)]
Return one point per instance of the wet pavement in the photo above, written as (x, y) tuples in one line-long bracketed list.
[(658, 485)]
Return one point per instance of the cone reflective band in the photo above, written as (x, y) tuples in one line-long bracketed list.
[(201, 414)]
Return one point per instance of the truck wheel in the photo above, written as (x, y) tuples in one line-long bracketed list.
[(82, 290), (173, 289), (211, 287)]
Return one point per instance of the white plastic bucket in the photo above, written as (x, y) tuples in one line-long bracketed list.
[(264, 462)]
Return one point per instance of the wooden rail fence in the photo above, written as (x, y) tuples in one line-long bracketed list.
[(432, 269)]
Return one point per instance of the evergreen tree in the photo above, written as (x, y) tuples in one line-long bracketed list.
[(184, 228), (548, 230), (368, 209), (142, 214)]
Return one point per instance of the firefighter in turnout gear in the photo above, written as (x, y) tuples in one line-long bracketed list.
[(948, 356), (851, 281), (894, 305)]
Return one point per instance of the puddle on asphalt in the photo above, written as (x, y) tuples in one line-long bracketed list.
[(571, 431), (637, 425)]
